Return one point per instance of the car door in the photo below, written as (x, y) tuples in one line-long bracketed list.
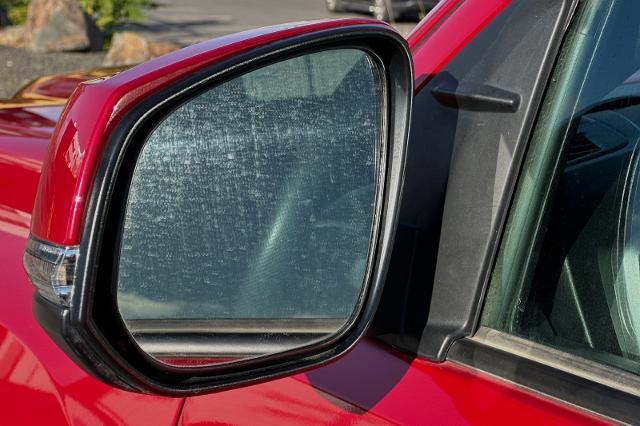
[(382, 380), (562, 301), (481, 70)]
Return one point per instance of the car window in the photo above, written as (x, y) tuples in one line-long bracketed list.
[(568, 271)]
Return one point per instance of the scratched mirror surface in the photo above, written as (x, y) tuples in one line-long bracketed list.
[(249, 220)]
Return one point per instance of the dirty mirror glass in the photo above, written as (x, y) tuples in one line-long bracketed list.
[(250, 212)]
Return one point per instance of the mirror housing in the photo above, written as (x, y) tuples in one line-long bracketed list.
[(71, 238)]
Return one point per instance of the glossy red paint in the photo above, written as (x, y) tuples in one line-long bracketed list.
[(39, 384), (433, 45), (94, 108), (374, 385), (421, 32), (25, 121), (24, 136), (59, 87)]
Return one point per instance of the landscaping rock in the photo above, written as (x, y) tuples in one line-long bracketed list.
[(13, 36), (129, 48), (60, 26), (159, 48)]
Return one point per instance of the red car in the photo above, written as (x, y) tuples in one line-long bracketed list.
[(325, 223)]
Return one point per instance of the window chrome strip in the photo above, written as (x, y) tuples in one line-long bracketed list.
[(601, 390), (573, 364)]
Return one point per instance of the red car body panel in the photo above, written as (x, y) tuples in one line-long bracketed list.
[(59, 87), (39, 384), (446, 31), (372, 384)]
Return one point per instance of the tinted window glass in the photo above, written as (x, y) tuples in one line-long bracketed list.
[(568, 273)]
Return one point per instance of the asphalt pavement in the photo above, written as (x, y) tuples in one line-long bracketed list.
[(189, 21), (180, 21), (18, 67)]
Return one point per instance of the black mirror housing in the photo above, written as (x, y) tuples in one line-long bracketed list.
[(81, 314)]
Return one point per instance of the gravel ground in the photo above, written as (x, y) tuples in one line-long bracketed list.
[(18, 67)]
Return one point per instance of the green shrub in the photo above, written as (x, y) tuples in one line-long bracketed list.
[(109, 13), (16, 9)]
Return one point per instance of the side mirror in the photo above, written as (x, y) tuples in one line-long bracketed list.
[(224, 214)]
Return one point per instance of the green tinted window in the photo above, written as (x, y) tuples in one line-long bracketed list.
[(568, 273)]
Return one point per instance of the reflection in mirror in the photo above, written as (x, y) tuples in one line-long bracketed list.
[(250, 212)]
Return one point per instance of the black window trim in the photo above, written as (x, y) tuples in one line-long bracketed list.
[(601, 390), (450, 316), (598, 389)]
